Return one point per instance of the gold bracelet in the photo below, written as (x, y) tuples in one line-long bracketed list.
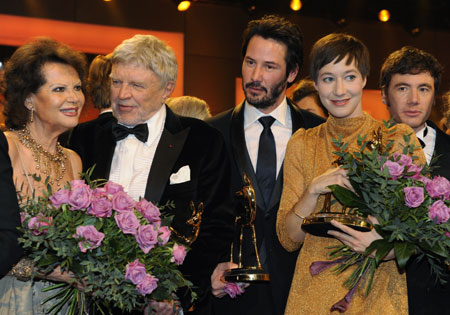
[(298, 216), (22, 270)]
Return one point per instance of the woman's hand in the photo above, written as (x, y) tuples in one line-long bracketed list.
[(217, 278), (333, 176), (356, 240)]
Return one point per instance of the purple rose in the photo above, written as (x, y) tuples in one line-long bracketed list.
[(440, 211), (413, 168), (121, 201), (425, 180), (101, 206), (233, 289), (80, 196), (414, 196), (38, 223), (90, 237), (60, 197), (179, 253), (447, 234), (164, 235), (148, 210), (438, 187), (146, 237), (99, 192), (127, 222), (135, 272), (395, 169), (113, 188), (148, 285)]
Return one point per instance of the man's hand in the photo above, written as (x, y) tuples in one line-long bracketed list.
[(217, 278)]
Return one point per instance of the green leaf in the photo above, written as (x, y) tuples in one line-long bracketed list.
[(346, 197), (403, 251), (382, 248)]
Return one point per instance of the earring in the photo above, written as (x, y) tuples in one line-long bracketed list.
[(32, 112)]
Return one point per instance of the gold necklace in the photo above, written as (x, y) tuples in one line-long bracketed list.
[(46, 162)]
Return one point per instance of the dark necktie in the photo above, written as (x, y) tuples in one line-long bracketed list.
[(121, 132), (422, 143), (266, 164)]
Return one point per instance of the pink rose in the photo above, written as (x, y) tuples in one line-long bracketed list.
[(413, 168), (438, 186), (135, 272), (127, 222), (77, 182), (148, 210), (179, 253), (164, 235), (99, 192), (414, 196), (22, 216), (404, 160), (90, 237), (447, 234), (148, 285), (80, 196), (395, 169), (113, 188), (440, 211), (233, 289), (425, 180), (121, 201), (101, 206), (38, 223), (60, 197), (146, 237)]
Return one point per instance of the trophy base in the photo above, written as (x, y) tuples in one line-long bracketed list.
[(319, 224), (248, 274)]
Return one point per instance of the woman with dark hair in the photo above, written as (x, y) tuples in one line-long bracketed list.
[(43, 90), (339, 68)]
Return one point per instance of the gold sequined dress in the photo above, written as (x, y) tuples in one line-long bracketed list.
[(310, 154)]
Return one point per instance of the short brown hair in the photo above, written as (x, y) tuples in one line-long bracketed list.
[(23, 74), (410, 60), (339, 46), (99, 82)]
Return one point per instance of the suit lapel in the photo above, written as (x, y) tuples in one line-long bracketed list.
[(240, 150), (104, 151), (169, 148), (297, 123)]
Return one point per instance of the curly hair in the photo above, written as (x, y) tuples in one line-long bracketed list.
[(23, 74), (283, 31), (410, 60), (98, 86), (339, 46)]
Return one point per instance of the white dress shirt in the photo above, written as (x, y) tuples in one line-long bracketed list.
[(281, 129), (133, 159), (429, 140)]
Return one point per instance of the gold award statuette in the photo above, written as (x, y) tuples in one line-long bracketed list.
[(246, 273), (194, 225), (320, 223)]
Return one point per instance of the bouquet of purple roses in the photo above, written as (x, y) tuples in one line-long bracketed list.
[(412, 210), (118, 249)]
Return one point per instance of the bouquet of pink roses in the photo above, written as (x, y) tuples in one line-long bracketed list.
[(412, 210), (118, 249)]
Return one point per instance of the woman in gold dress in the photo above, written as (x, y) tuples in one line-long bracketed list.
[(339, 68), (44, 97)]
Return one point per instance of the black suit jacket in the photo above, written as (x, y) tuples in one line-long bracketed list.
[(280, 264), (184, 141), (425, 296), (11, 251), (86, 128)]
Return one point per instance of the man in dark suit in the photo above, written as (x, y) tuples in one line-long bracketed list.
[(9, 213), (256, 133), (410, 80), (163, 157)]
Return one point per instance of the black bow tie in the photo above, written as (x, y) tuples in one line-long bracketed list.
[(121, 132)]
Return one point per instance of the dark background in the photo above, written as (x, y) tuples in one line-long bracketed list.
[(213, 31)]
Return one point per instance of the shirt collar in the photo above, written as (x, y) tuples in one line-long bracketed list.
[(420, 134), (252, 114)]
